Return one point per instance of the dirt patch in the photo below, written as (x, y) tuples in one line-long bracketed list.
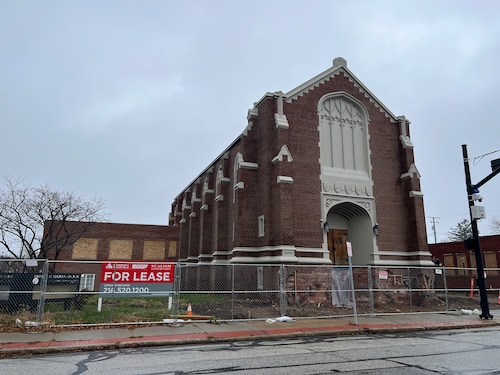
[(383, 303)]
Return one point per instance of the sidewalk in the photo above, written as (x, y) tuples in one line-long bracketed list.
[(25, 343)]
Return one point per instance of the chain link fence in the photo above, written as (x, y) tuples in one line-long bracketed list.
[(41, 293)]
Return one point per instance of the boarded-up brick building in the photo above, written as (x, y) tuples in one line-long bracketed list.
[(321, 165), (461, 262), (99, 242), (114, 241)]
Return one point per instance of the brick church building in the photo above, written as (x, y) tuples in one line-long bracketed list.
[(322, 165)]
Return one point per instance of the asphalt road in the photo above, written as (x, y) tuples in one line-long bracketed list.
[(429, 352)]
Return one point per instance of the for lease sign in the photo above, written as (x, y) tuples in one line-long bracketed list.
[(136, 278)]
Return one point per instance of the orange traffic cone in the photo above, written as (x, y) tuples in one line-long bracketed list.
[(189, 311)]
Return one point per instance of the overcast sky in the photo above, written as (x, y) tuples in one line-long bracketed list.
[(129, 101)]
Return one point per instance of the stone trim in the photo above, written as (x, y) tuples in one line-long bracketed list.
[(330, 73), (284, 180), (281, 121), (412, 171), (284, 151), (416, 194)]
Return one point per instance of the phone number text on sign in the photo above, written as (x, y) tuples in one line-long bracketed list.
[(125, 289), (133, 279)]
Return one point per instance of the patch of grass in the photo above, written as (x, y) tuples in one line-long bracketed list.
[(113, 310), (116, 310)]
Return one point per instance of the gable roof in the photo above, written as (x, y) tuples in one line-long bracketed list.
[(339, 65)]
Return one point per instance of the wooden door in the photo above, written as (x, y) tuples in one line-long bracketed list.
[(337, 246)]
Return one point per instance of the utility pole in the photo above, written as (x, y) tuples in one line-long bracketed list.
[(434, 222), (475, 214)]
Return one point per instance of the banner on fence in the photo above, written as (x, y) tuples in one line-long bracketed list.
[(341, 287), (136, 279)]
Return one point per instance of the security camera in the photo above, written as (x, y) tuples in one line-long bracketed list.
[(476, 197)]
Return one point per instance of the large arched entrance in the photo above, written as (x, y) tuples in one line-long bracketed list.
[(348, 221), (348, 202)]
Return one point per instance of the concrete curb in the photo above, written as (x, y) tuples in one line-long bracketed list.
[(54, 347)]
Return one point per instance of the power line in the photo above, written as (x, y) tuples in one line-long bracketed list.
[(434, 222), (475, 160)]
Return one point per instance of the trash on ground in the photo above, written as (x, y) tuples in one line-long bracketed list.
[(173, 320), (470, 312), (281, 319)]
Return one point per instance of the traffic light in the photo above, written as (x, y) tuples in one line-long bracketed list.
[(469, 243), (495, 164)]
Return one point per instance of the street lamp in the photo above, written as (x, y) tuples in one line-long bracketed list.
[(477, 212)]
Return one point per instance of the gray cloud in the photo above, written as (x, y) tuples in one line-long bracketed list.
[(129, 100)]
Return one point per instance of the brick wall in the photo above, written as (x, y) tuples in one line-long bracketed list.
[(292, 211), (137, 234)]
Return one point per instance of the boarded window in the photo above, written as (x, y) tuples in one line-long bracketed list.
[(461, 264), (490, 260), (85, 248), (473, 261), (154, 250), (172, 249), (120, 249), (449, 263)]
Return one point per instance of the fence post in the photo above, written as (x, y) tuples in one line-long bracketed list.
[(176, 291), (282, 291), (112, 296), (445, 288), (370, 290), (43, 290), (409, 288), (232, 292)]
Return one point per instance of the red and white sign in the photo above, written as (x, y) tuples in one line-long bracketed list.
[(137, 272)]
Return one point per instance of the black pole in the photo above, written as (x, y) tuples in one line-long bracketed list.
[(481, 284)]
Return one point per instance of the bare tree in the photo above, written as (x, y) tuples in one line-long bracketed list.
[(461, 231), (34, 220), (495, 224)]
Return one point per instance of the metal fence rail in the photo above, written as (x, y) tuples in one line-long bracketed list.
[(55, 293)]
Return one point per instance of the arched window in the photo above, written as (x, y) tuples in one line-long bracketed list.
[(237, 161), (205, 191), (219, 177), (343, 134)]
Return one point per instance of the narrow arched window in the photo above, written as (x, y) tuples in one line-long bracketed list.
[(343, 134)]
